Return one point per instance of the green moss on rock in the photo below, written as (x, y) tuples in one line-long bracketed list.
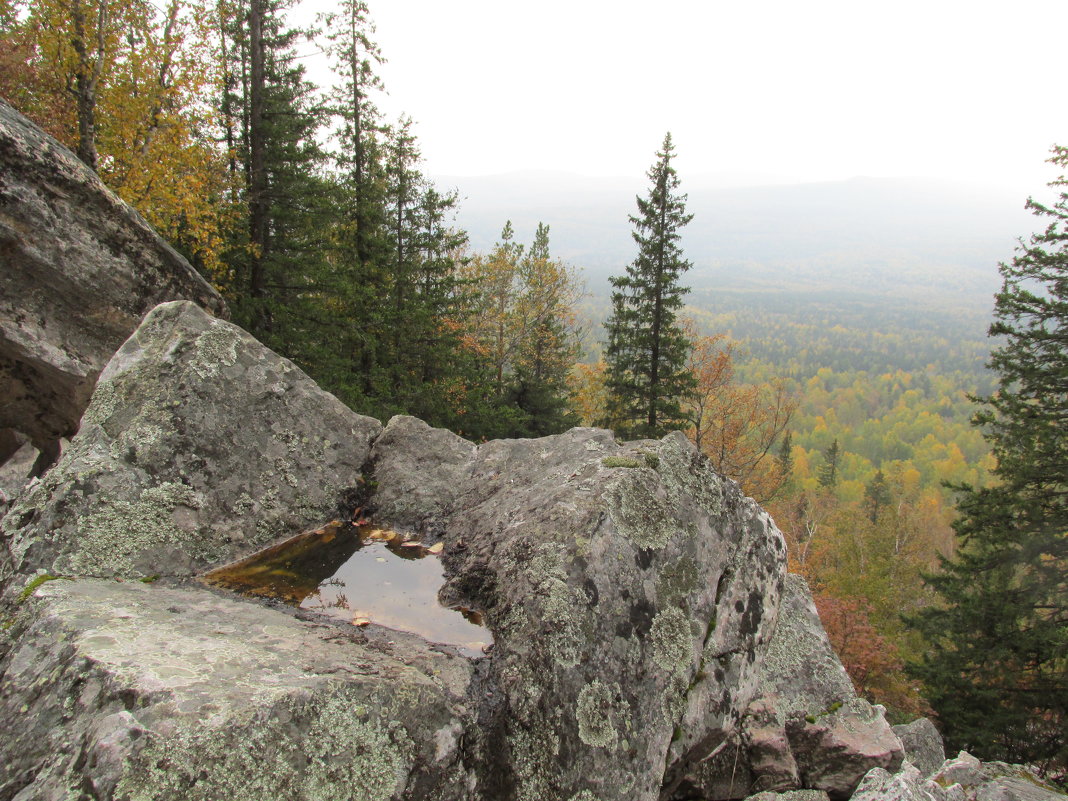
[(620, 461)]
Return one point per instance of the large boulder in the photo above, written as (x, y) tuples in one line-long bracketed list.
[(136, 691), (630, 590), (922, 744), (199, 447), (806, 727), (79, 268)]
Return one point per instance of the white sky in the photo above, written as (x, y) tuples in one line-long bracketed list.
[(798, 89)]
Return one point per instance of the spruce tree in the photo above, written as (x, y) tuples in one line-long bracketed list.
[(647, 349), (996, 670), (828, 475)]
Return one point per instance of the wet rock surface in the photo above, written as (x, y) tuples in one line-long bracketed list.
[(200, 446), (78, 270)]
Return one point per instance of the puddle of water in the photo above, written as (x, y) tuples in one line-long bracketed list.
[(360, 574)]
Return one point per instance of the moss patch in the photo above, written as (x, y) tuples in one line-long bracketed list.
[(620, 461), (34, 583)]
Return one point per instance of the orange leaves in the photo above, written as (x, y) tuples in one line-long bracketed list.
[(871, 660), (734, 424)]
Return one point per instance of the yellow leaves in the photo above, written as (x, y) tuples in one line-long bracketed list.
[(150, 71), (589, 393)]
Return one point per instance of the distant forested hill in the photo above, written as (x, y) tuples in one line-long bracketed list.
[(872, 274)]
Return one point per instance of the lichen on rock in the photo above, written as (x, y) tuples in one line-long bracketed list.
[(639, 508), (672, 640), (117, 532), (601, 713)]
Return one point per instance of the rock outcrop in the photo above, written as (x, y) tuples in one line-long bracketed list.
[(806, 727), (79, 269), (630, 590), (963, 778), (631, 593), (635, 600), (200, 446)]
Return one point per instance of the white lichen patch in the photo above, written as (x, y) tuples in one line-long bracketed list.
[(638, 508), (534, 753), (102, 405), (672, 640), (214, 349), (687, 472), (347, 754), (112, 538), (561, 604), (600, 714), (338, 752)]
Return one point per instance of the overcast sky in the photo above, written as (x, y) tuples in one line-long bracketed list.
[(793, 89)]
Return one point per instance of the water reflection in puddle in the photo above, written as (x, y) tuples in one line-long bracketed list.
[(360, 574)]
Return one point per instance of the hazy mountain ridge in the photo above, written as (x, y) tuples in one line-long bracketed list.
[(929, 241)]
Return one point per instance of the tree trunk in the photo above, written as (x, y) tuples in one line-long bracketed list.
[(257, 194)]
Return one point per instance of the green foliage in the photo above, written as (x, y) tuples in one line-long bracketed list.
[(522, 324), (647, 349), (996, 669)]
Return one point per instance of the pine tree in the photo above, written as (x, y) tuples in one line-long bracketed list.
[(647, 349), (280, 270), (997, 666)]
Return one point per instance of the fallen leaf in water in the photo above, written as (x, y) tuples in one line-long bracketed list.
[(361, 622), (436, 548)]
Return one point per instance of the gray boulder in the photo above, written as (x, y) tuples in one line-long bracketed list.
[(789, 795), (79, 269), (971, 780), (923, 745), (629, 589), (199, 447), (806, 728), (139, 691), (908, 784)]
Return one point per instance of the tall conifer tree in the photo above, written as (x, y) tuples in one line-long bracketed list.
[(647, 349), (997, 668)]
